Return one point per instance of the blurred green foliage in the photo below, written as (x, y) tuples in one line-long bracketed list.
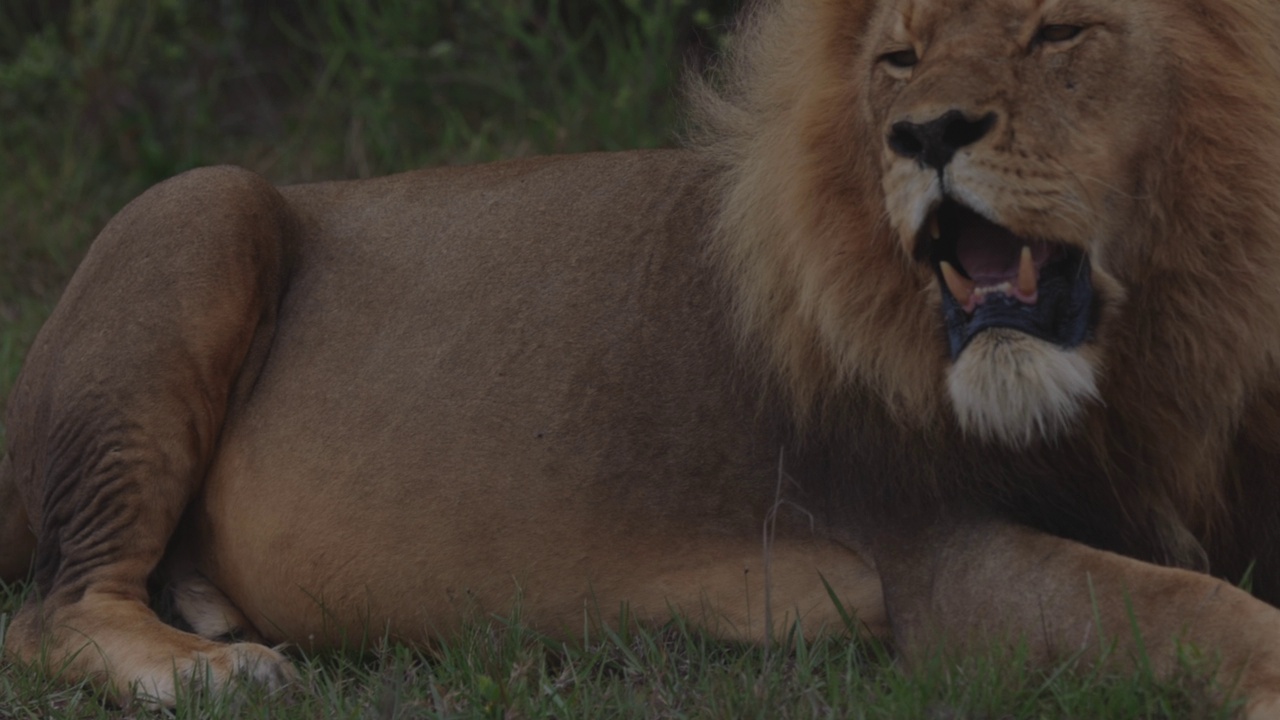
[(101, 98), (156, 86)]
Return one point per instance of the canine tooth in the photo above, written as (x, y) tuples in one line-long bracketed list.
[(935, 229), (1027, 273), (960, 286)]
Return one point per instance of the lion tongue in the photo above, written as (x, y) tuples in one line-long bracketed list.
[(996, 260)]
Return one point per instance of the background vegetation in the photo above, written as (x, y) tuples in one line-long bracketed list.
[(101, 98)]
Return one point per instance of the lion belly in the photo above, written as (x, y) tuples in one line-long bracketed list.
[(500, 386)]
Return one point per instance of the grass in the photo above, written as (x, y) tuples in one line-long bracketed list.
[(504, 670), (101, 98)]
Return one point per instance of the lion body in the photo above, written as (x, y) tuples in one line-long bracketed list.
[(983, 337), (498, 381), (495, 382)]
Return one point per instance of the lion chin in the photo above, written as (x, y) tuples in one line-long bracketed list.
[(1010, 387)]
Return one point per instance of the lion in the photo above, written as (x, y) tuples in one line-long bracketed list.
[(973, 306)]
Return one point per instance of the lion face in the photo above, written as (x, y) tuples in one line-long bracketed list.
[(990, 212), (1013, 133)]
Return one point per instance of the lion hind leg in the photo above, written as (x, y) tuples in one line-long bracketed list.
[(116, 418), (113, 641)]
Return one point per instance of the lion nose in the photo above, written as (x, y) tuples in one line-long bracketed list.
[(934, 143)]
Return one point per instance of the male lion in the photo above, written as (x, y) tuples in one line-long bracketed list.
[(975, 302)]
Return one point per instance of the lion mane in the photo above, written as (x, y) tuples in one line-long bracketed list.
[(1179, 226)]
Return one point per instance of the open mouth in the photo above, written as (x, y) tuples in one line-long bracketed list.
[(991, 277)]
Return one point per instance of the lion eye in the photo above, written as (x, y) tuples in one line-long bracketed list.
[(901, 58), (1058, 33)]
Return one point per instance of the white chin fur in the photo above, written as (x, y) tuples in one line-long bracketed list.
[(1011, 387)]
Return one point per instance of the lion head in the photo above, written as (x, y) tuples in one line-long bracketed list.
[(1015, 214)]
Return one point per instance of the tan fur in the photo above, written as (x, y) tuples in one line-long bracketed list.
[(378, 408)]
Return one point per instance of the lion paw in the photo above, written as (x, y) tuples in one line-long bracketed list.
[(217, 670), (1262, 707)]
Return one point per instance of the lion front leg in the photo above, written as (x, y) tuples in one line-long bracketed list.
[(971, 583), (117, 415)]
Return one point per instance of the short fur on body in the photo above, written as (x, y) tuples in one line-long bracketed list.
[(381, 406)]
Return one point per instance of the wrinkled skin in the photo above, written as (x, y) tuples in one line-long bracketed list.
[(323, 411)]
